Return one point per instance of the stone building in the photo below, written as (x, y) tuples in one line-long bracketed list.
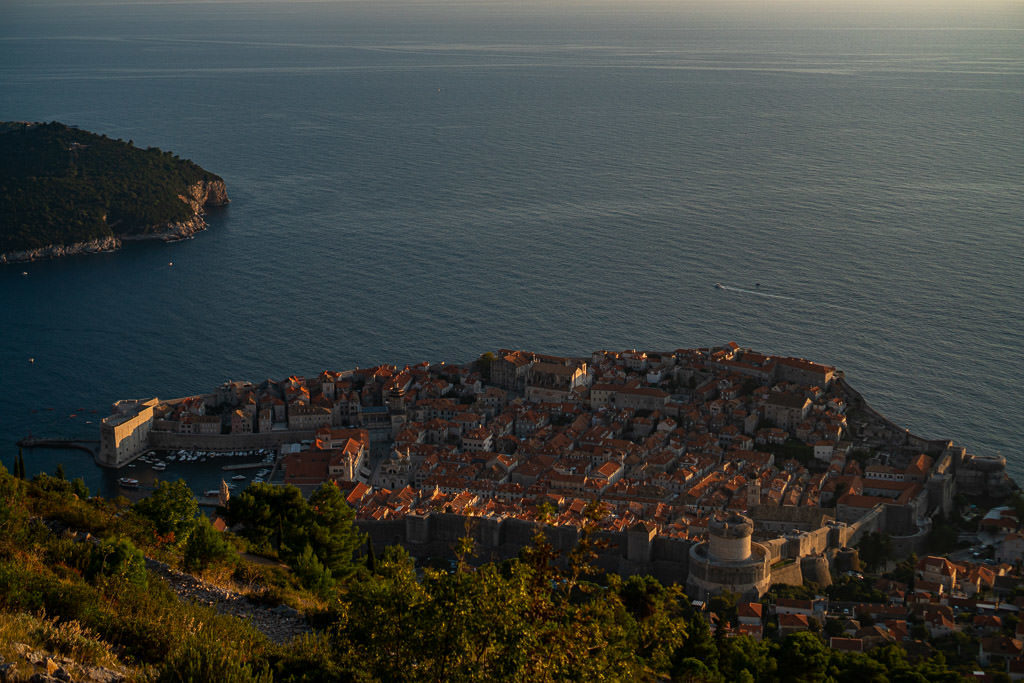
[(125, 434), (553, 382), (729, 560)]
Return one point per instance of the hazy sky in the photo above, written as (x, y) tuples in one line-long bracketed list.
[(1007, 14)]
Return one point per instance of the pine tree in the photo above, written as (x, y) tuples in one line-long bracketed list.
[(371, 556), (19, 466), (59, 472)]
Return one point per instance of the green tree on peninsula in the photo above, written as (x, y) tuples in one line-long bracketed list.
[(63, 185)]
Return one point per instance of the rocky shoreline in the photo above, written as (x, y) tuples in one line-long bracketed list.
[(202, 194)]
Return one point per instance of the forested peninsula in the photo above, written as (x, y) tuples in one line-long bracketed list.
[(64, 191)]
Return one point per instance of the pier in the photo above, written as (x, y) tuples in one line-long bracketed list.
[(248, 466), (75, 444)]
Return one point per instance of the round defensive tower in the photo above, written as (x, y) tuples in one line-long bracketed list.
[(847, 560), (815, 569), (728, 560), (729, 537)]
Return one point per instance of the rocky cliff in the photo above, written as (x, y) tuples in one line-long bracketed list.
[(201, 194), (57, 250), (66, 191)]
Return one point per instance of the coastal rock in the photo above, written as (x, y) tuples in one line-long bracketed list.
[(56, 250), (212, 192), (205, 193), (201, 195)]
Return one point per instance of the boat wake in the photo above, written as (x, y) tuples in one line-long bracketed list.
[(755, 292), (719, 285)]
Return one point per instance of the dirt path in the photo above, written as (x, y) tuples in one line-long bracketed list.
[(280, 624)]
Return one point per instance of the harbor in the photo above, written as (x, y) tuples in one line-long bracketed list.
[(201, 470)]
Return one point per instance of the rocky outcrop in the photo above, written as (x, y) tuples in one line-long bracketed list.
[(208, 193), (40, 665), (169, 232), (57, 250), (202, 194)]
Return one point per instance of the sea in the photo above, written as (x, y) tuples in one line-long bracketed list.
[(421, 180)]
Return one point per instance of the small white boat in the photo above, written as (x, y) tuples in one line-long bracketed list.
[(159, 466), (238, 477), (128, 483), (718, 285)]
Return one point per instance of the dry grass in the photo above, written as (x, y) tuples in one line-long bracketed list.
[(73, 640), (68, 638), (21, 633), (16, 627)]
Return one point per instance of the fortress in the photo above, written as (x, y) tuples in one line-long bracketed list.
[(729, 560)]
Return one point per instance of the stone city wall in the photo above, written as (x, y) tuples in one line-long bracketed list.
[(225, 442), (851, 534), (789, 573), (903, 546), (630, 552), (436, 535), (807, 542)]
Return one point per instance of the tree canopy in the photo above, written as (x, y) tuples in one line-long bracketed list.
[(61, 185), (171, 507), (278, 518)]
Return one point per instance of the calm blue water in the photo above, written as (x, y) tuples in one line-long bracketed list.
[(426, 181)]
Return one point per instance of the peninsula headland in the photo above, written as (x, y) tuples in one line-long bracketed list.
[(67, 191)]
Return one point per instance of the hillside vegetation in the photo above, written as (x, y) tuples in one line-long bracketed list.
[(62, 185), (74, 584)]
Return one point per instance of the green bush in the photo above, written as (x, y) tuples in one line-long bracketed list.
[(117, 558), (202, 659), (171, 508), (312, 573), (28, 589), (206, 545)]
